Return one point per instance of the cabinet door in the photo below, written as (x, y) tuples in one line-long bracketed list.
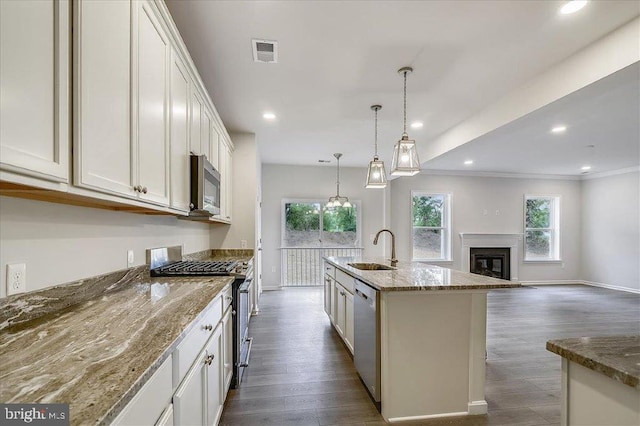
[(339, 316), (227, 327), (214, 374), (214, 147), (205, 130), (34, 88), (348, 320), (179, 170), (196, 117), (327, 295), (103, 157), (188, 401), (151, 53), (229, 184), (222, 168), (167, 417)]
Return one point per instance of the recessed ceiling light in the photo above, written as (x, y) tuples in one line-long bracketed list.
[(572, 6), (585, 168), (417, 125), (559, 129), (269, 116), (468, 162)]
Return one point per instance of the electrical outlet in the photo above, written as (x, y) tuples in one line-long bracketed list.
[(497, 212), (130, 258), (16, 278), (243, 244), (273, 269)]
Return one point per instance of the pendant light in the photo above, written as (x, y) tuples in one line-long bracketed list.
[(376, 175), (337, 200), (405, 155)]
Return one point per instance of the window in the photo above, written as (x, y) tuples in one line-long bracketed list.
[(311, 224), (541, 227), (431, 222)]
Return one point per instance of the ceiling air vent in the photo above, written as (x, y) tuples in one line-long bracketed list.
[(265, 51)]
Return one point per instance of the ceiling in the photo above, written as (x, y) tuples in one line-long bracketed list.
[(337, 58)]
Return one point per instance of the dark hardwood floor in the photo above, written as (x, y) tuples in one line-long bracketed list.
[(300, 373)]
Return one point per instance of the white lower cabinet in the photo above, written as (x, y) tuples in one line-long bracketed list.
[(348, 319), (198, 400), (148, 404), (341, 314), (167, 417), (188, 401), (227, 326)]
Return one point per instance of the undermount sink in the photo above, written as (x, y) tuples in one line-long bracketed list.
[(371, 266)]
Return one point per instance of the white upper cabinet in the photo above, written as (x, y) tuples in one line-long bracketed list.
[(150, 97), (196, 119), (179, 110), (34, 88), (103, 155), (214, 147)]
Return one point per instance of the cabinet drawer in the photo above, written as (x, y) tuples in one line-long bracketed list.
[(148, 404), (345, 280), (329, 270), (190, 347)]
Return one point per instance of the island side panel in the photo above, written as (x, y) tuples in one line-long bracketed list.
[(591, 398), (425, 345), (478, 353)]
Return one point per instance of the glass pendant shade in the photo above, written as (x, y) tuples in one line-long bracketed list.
[(405, 158), (337, 200), (376, 175), (405, 154)]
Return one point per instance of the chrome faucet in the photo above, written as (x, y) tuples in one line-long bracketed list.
[(394, 261)]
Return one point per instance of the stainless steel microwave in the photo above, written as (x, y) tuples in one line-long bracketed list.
[(205, 187)]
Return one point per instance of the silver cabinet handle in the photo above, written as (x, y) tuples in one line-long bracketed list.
[(229, 298), (208, 327), (209, 359), (137, 188), (144, 189)]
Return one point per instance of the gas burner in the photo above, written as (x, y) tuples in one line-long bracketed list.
[(195, 268)]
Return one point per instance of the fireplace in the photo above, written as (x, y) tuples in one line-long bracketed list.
[(490, 261)]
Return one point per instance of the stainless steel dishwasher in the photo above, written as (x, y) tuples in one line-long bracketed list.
[(366, 354)]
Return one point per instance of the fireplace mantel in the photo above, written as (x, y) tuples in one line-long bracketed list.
[(513, 241)]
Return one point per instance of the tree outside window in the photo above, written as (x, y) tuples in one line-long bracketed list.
[(541, 227), (310, 224), (431, 226)]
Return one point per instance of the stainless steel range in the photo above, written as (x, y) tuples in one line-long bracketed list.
[(167, 262)]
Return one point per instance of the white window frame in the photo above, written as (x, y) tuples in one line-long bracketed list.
[(554, 228), (445, 250), (285, 201)]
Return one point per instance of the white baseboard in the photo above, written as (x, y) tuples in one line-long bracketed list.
[(580, 282), (551, 282), (430, 416), (611, 287), (477, 407), (270, 288)]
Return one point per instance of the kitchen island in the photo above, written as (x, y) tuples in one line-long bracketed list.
[(432, 336), (600, 379)]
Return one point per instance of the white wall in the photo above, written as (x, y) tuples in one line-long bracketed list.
[(246, 175), (610, 230), (306, 182), (471, 195), (61, 243)]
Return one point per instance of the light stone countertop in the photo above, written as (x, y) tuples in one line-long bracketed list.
[(617, 357), (414, 276), (97, 353)]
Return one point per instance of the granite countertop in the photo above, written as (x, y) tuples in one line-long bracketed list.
[(617, 357), (411, 276), (95, 352)]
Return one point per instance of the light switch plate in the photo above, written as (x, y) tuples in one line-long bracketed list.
[(16, 278)]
